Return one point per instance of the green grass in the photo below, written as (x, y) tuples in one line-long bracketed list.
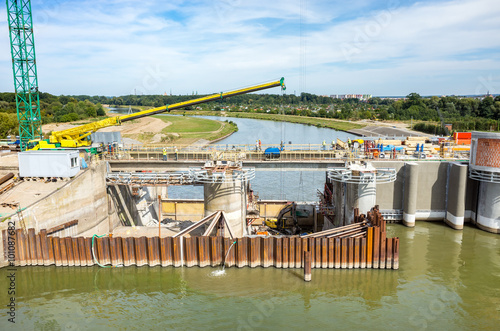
[(186, 124), (187, 129), (316, 121)]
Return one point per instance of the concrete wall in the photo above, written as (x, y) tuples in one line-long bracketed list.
[(84, 199), (183, 210), (389, 196), (431, 198), (443, 191), (430, 203), (193, 210), (471, 196), (141, 206)]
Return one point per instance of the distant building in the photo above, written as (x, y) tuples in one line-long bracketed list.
[(362, 97)]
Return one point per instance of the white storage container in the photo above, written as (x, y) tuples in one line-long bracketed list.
[(49, 163)]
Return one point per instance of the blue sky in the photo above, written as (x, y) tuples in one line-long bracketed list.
[(391, 47)]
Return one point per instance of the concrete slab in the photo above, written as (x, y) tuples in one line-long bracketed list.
[(8, 163), (27, 193)]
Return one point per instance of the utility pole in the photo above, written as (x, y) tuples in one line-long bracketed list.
[(22, 48)]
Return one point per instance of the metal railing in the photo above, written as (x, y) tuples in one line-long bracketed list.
[(379, 176), (235, 152), (484, 175), (192, 177)]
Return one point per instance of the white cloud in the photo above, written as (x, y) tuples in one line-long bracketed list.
[(114, 47)]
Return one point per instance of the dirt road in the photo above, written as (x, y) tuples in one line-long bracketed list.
[(132, 129)]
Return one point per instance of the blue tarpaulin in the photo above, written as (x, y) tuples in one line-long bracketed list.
[(272, 151)]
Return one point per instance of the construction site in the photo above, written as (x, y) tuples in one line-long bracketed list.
[(80, 197)]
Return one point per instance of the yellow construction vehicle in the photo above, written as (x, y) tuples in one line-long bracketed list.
[(283, 224), (80, 136)]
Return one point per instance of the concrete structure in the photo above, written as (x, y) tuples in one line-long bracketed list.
[(355, 186), (84, 199), (231, 198), (457, 187), (410, 194), (349, 196), (49, 163), (485, 168), (136, 205), (488, 209), (439, 191), (422, 191)]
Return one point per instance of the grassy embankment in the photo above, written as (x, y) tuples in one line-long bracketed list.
[(316, 121), (187, 130), (340, 125)]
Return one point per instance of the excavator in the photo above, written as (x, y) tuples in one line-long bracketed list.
[(285, 225), (79, 136)]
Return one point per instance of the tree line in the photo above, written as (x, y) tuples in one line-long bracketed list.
[(464, 113), (52, 109)]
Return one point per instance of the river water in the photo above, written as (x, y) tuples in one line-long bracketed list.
[(278, 184), (271, 132), (448, 280)]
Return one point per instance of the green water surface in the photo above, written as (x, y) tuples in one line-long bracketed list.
[(448, 280)]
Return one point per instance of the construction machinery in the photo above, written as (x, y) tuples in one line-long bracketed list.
[(80, 136), (22, 48), (283, 224)]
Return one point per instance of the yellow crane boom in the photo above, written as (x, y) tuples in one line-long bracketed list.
[(78, 136)]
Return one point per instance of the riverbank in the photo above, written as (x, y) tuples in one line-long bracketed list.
[(162, 129), (335, 124), (188, 130)]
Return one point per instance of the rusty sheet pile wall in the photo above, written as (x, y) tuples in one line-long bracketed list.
[(371, 250)]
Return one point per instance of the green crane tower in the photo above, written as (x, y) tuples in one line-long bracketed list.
[(22, 47)]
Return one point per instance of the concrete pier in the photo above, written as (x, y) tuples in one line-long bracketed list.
[(457, 184), (355, 187), (410, 193), (229, 197), (484, 166), (361, 196), (488, 208), (367, 197)]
